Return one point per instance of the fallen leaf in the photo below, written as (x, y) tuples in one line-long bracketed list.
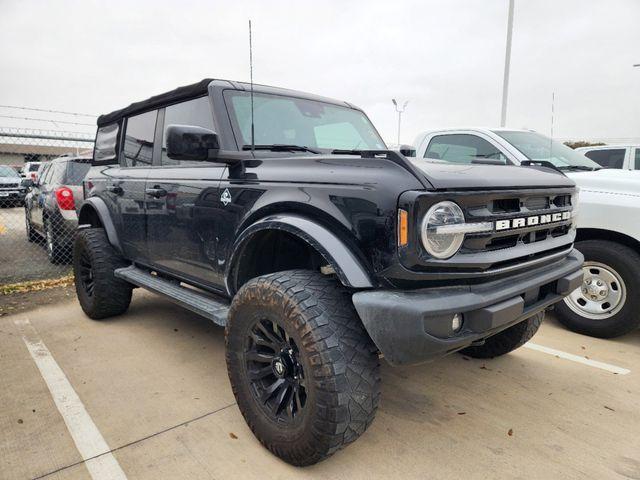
[(510, 432), (233, 435), (20, 420), (462, 413)]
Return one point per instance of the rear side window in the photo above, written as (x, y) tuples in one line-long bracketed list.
[(196, 112), (34, 167), (76, 171), (56, 173), (637, 158), (462, 148), (609, 158), (106, 141), (138, 140)]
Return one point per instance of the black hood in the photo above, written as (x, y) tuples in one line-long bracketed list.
[(449, 176)]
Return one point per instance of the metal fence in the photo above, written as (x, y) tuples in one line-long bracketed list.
[(41, 173)]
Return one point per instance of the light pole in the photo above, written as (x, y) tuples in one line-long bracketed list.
[(400, 112), (507, 64)]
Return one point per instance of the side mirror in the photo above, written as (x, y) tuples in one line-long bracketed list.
[(188, 142), (407, 150)]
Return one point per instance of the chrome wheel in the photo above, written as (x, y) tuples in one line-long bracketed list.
[(602, 294)]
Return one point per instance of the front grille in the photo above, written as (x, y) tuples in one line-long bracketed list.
[(9, 185), (483, 208)]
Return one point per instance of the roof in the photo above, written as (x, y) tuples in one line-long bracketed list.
[(176, 95), (201, 88)]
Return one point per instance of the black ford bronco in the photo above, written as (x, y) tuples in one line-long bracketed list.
[(283, 217)]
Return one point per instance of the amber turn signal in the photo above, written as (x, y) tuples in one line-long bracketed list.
[(403, 227)]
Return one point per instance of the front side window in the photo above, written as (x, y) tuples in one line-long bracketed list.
[(537, 147), (281, 120), (608, 158), (196, 112), (462, 148), (637, 158), (138, 139)]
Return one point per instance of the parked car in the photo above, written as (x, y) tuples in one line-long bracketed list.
[(316, 248), (12, 187), (626, 157), (30, 170), (607, 304), (50, 206)]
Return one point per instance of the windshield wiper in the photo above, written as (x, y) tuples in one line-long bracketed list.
[(581, 168), (279, 147)]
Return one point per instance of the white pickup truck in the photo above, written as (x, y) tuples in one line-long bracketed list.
[(608, 230)]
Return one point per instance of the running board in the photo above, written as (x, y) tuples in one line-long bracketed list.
[(188, 298)]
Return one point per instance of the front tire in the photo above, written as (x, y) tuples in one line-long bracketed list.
[(507, 340), (100, 293), (607, 304), (32, 236), (304, 372)]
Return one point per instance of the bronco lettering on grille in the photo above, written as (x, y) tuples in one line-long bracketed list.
[(531, 221)]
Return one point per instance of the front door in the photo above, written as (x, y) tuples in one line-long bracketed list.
[(183, 210)]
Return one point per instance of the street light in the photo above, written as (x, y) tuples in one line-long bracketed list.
[(507, 63), (400, 112)]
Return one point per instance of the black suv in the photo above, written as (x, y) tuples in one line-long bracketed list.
[(282, 216)]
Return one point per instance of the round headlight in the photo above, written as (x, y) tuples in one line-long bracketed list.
[(442, 245)]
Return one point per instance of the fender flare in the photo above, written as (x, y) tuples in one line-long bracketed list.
[(102, 211), (348, 268)]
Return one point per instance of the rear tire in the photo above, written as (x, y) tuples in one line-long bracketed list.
[(507, 340), (32, 235), (617, 268), (298, 334), (100, 293), (56, 253)]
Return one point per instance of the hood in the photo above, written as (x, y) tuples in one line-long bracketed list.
[(10, 180), (609, 180), (477, 176)]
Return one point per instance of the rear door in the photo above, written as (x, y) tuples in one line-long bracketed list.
[(37, 197), (125, 187), (183, 216)]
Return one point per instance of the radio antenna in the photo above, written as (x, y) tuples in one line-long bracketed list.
[(253, 141)]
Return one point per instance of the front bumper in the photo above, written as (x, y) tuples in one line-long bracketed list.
[(12, 194), (411, 327)]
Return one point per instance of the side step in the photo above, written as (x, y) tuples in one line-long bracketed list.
[(193, 300)]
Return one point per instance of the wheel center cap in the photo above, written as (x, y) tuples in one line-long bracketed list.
[(279, 368), (595, 289)]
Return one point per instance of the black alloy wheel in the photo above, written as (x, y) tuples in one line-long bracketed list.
[(275, 372)]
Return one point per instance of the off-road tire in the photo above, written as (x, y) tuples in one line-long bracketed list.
[(340, 363), (507, 340), (626, 262), (110, 296)]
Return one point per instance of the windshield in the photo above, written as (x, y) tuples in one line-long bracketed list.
[(538, 147), (280, 120), (8, 172)]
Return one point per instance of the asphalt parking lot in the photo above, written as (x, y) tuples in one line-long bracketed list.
[(149, 392), (20, 260)]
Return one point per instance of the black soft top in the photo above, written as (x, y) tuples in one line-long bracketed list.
[(199, 89), (176, 95)]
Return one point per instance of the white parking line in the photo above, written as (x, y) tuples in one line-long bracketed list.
[(102, 465), (576, 358)]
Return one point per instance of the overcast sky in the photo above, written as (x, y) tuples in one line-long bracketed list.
[(445, 57)]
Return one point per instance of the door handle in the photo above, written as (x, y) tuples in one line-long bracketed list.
[(114, 189), (156, 192)]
